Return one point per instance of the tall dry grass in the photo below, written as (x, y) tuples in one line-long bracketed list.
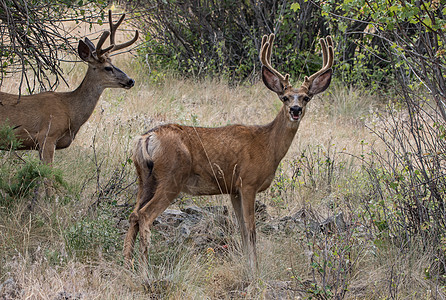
[(70, 246)]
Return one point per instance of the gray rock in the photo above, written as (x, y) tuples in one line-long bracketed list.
[(282, 290), (10, 289)]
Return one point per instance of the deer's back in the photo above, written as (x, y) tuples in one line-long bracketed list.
[(31, 114), (214, 160)]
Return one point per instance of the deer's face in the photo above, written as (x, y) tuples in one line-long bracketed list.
[(112, 77), (104, 72), (295, 102)]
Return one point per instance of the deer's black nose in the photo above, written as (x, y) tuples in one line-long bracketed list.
[(131, 82), (295, 110)]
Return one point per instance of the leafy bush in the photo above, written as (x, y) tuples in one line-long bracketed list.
[(333, 259), (410, 181), (28, 176), (408, 177), (8, 141), (91, 235), (223, 38), (19, 176)]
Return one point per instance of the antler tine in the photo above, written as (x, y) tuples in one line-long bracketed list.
[(101, 41), (271, 39), (126, 44), (329, 41), (324, 52), (113, 28), (328, 58), (263, 49), (90, 44), (264, 41), (265, 58)]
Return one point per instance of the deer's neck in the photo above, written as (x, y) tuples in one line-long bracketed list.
[(280, 134), (83, 100)]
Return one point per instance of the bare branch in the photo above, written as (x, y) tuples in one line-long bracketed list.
[(33, 40)]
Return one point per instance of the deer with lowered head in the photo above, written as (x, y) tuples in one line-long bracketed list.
[(51, 120), (238, 160)]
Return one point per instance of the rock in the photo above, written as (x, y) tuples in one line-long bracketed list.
[(261, 212), (172, 217), (212, 227), (194, 210), (302, 221), (218, 210), (269, 228), (10, 289), (281, 290), (203, 227), (184, 230), (67, 296), (333, 224)]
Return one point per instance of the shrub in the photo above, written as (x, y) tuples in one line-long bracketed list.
[(20, 175), (410, 181), (223, 38), (91, 235)]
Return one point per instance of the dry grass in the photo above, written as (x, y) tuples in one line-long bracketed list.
[(33, 246)]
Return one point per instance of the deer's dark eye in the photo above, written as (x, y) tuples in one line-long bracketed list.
[(284, 98), (306, 99), (108, 69)]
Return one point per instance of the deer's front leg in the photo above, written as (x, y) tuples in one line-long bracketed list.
[(47, 148), (236, 201), (248, 195)]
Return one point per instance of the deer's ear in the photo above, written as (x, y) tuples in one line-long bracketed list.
[(271, 80), (84, 51), (321, 83)]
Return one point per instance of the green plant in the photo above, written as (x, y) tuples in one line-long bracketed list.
[(29, 176), (178, 272), (96, 234), (334, 252), (318, 167), (200, 38), (407, 182), (8, 140), (20, 175), (282, 186)]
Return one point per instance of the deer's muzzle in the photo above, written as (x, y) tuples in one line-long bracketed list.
[(129, 84), (295, 112)]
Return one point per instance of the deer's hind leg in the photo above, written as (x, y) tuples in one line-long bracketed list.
[(170, 175), (165, 194), (146, 189), (163, 166)]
